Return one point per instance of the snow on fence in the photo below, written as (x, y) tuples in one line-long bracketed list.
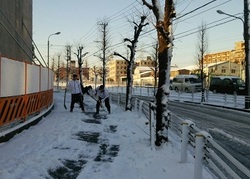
[(208, 151), (25, 90), (205, 149)]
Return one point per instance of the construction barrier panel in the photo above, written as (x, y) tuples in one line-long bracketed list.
[(25, 89)]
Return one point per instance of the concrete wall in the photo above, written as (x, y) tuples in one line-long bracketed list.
[(16, 29)]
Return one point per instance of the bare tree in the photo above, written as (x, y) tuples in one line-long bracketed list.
[(132, 48), (202, 48), (156, 65), (164, 33), (96, 72), (58, 71), (79, 56)]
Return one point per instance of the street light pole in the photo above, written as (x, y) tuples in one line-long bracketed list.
[(246, 39), (57, 33), (246, 42), (221, 12)]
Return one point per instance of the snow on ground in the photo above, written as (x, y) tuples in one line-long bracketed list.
[(74, 145)]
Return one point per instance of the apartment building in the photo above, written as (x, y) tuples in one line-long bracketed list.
[(148, 62), (117, 70), (237, 55), (235, 61)]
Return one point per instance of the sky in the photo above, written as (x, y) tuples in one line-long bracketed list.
[(79, 24), (56, 142)]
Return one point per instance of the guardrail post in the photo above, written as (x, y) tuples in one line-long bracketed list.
[(235, 100), (179, 95), (207, 95), (184, 140), (225, 99), (118, 99), (110, 97), (136, 105), (199, 144), (140, 108), (151, 125), (192, 96)]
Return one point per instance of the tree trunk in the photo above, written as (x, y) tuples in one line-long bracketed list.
[(161, 103), (128, 88)]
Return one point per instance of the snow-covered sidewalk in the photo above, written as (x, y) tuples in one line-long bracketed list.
[(74, 145)]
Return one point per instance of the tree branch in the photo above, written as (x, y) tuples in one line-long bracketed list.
[(147, 4), (117, 54), (126, 39)]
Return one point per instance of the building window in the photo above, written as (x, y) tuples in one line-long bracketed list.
[(233, 71), (223, 70)]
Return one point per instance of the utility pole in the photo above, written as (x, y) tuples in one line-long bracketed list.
[(58, 71), (68, 58), (104, 49), (246, 39), (53, 64)]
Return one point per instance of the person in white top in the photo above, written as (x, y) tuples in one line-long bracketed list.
[(102, 96), (74, 87)]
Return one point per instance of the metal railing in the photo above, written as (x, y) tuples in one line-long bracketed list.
[(205, 150), (225, 100)]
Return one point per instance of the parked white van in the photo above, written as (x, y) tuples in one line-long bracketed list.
[(187, 83)]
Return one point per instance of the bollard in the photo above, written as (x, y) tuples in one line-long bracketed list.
[(199, 144)]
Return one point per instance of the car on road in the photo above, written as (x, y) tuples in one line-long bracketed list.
[(227, 84), (187, 83)]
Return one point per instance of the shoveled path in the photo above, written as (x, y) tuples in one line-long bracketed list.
[(95, 140)]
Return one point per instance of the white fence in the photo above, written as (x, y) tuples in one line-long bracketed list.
[(206, 150), (19, 78)]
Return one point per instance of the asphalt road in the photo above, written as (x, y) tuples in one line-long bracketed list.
[(230, 128)]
